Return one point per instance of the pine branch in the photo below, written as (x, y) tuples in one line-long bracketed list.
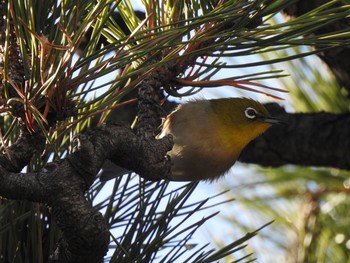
[(336, 58)]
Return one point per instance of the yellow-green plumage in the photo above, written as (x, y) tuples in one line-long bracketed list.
[(209, 135)]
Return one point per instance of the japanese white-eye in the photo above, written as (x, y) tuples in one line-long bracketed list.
[(209, 135)]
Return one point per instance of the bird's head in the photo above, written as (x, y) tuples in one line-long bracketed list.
[(241, 120)]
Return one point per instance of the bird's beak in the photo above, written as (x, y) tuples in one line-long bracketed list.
[(271, 120)]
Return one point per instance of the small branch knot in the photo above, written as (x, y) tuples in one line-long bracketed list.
[(83, 158)]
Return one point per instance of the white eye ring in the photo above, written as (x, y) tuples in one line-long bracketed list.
[(250, 113)]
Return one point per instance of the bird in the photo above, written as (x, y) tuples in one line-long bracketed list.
[(208, 136)]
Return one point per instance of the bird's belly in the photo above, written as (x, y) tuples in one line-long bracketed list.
[(194, 164)]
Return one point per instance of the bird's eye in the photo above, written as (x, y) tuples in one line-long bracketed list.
[(250, 113)]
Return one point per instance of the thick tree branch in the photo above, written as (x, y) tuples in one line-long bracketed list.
[(15, 185), (309, 139), (19, 154), (61, 185), (145, 157), (85, 234)]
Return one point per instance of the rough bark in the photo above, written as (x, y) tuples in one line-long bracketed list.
[(62, 185)]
